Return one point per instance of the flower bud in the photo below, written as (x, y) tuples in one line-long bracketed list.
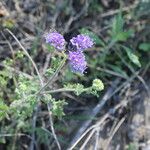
[(97, 85)]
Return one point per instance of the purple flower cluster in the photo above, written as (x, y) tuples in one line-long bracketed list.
[(76, 58), (82, 42), (55, 39), (77, 61)]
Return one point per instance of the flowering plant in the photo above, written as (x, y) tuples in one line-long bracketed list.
[(32, 92), (76, 58)]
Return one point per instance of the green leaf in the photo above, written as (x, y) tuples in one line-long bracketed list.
[(134, 58), (132, 146), (96, 39), (3, 110), (50, 48), (117, 29), (123, 36), (117, 25), (57, 108), (145, 47), (118, 69)]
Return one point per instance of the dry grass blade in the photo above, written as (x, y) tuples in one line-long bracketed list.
[(113, 133)]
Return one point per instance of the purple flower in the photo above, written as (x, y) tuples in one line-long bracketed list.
[(77, 61), (55, 39), (82, 42)]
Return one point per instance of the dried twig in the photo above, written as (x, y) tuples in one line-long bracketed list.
[(52, 127), (97, 138), (113, 12), (113, 133)]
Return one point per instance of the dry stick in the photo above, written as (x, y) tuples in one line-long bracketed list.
[(111, 72), (97, 138), (113, 12), (95, 127), (52, 127), (115, 130), (87, 139), (110, 92), (108, 114), (88, 130)]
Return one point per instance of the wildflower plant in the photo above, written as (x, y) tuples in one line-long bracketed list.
[(28, 90), (31, 92)]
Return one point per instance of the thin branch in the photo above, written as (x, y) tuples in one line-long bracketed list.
[(113, 12), (115, 130), (87, 139), (34, 124), (97, 134), (64, 90), (27, 54), (52, 127)]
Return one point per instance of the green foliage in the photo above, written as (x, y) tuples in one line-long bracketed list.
[(95, 7), (144, 47), (26, 99), (118, 33), (76, 88), (57, 107), (42, 136), (134, 58), (132, 146), (118, 69), (50, 48), (18, 108), (19, 54), (3, 109)]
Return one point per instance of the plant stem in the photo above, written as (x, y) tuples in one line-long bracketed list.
[(64, 90), (54, 75)]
